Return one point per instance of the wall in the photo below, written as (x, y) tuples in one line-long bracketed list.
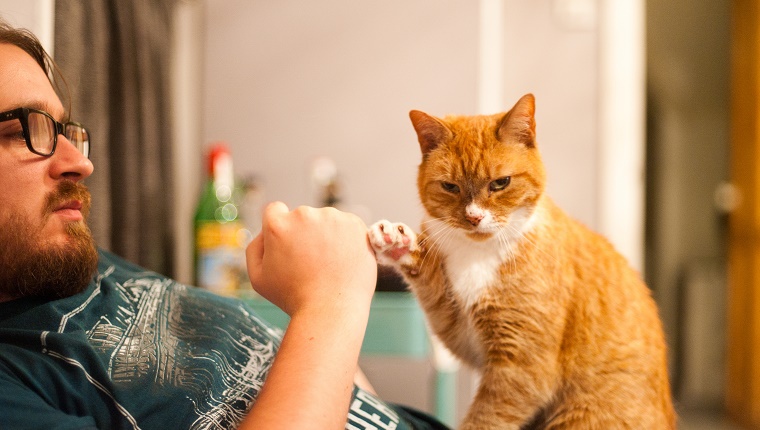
[(554, 57), (288, 82), (187, 83), (35, 15), (291, 81)]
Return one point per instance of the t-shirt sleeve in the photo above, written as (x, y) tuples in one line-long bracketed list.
[(22, 408)]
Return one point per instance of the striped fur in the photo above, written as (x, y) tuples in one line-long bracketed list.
[(565, 334)]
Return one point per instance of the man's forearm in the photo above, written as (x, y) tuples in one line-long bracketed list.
[(311, 380)]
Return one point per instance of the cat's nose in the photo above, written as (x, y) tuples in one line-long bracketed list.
[(474, 219)]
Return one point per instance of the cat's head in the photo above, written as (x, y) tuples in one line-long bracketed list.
[(481, 174)]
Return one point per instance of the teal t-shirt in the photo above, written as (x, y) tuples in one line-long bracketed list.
[(139, 350)]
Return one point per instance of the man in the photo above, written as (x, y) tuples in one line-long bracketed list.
[(88, 340)]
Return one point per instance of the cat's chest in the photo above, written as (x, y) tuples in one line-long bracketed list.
[(471, 268)]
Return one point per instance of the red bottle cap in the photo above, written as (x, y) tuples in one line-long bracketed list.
[(216, 149)]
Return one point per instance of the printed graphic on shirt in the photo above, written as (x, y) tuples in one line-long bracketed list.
[(154, 332), (369, 413), (162, 334)]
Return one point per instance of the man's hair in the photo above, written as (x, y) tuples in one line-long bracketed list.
[(27, 41)]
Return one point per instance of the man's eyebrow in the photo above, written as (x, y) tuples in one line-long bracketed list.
[(60, 116)]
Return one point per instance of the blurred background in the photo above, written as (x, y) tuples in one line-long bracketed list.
[(634, 122)]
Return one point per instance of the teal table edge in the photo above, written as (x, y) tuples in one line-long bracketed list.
[(396, 325)]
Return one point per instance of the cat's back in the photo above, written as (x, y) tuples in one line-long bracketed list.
[(587, 254), (612, 328)]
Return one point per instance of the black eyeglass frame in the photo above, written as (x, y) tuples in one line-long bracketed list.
[(22, 114)]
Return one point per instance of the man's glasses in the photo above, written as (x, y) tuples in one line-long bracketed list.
[(41, 131)]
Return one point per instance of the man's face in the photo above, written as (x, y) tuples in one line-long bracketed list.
[(43, 204)]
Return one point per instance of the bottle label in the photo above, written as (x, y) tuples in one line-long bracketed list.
[(221, 256)]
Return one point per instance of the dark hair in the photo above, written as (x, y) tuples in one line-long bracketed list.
[(27, 41)]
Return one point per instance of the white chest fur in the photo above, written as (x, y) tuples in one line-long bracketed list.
[(471, 266)]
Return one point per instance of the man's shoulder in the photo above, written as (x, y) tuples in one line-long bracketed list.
[(108, 261), (118, 274)]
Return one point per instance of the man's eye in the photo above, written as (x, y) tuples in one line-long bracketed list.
[(11, 130), (448, 186), (13, 135)]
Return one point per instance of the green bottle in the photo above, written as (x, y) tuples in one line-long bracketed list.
[(220, 235)]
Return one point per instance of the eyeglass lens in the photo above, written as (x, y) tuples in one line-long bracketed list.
[(42, 134), (79, 137)]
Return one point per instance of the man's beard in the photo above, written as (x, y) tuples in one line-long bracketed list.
[(31, 266)]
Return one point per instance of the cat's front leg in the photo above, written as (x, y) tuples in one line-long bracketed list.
[(395, 245), (511, 396)]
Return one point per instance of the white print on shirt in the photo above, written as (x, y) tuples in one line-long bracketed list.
[(162, 334), (368, 413), (122, 410)]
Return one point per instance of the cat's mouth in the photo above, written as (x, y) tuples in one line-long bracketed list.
[(479, 236), (482, 231)]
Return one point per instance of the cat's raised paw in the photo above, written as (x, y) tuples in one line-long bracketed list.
[(392, 242)]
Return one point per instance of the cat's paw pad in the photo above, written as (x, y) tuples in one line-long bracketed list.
[(392, 242)]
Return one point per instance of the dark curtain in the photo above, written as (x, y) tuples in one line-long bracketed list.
[(114, 55)]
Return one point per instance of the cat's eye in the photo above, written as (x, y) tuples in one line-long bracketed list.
[(448, 186), (499, 184)]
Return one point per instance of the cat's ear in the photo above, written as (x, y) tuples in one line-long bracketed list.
[(519, 124), (431, 131)]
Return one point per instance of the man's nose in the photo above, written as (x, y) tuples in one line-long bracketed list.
[(68, 162)]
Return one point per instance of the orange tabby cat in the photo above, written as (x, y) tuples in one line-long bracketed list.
[(565, 334)]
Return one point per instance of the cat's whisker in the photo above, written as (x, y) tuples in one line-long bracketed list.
[(431, 220), (534, 244), (504, 239), (445, 235), (514, 235), (436, 229), (437, 238)]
